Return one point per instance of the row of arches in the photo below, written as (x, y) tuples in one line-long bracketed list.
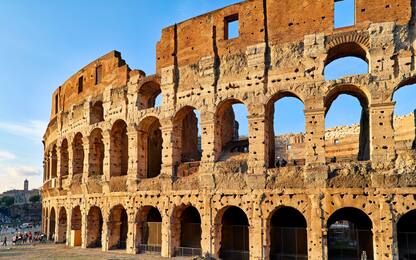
[(230, 130), (350, 232)]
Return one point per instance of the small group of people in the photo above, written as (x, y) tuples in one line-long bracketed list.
[(20, 238)]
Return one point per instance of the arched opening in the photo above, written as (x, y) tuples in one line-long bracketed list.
[(94, 227), (406, 235), (187, 231), (288, 235), (119, 149), (62, 226), (404, 120), (64, 158), (159, 100), (76, 224), (187, 150), (149, 230), (118, 228), (231, 129), (52, 223), (346, 59), (97, 112), (78, 154), (350, 235), (150, 147), (347, 134), (234, 235), (96, 155), (148, 94), (286, 130), (54, 162)]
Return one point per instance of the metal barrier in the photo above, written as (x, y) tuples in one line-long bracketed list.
[(143, 248), (289, 243), (188, 251), (345, 243), (235, 255)]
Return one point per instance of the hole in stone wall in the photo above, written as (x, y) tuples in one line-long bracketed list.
[(344, 13), (231, 27)]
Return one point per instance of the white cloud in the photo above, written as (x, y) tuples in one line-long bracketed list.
[(6, 155), (33, 129), (21, 171)]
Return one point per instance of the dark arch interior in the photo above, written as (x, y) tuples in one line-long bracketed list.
[(349, 235), (64, 158), (78, 154), (119, 149), (288, 235), (406, 235), (96, 155), (95, 227), (52, 219), (118, 228), (76, 223), (148, 93), (97, 112), (190, 228), (234, 235), (62, 226)]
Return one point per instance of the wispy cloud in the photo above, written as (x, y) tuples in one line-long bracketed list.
[(33, 129), (20, 171), (6, 155)]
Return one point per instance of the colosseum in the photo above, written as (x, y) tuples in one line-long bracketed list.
[(176, 178)]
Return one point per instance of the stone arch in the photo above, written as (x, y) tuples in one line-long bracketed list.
[(406, 235), (96, 156), (350, 234), (78, 154), (232, 223), (150, 147), (62, 226), (97, 112), (94, 227), (148, 230), (185, 125), (288, 234), (52, 223), (227, 138), (54, 172), (364, 98), (148, 93), (186, 231), (64, 157), (76, 225), (117, 227), (270, 111), (119, 149)]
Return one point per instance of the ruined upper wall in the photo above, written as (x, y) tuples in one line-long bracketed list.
[(287, 21), (115, 72)]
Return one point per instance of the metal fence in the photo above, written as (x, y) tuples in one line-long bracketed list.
[(143, 249), (188, 251), (151, 238), (350, 244), (235, 242), (289, 244), (407, 245)]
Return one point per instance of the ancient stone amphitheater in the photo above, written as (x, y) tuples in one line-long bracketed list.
[(123, 173)]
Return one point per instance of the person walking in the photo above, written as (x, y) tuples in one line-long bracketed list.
[(5, 241)]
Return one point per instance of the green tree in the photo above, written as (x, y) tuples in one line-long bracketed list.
[(7, 201), (34, 199)]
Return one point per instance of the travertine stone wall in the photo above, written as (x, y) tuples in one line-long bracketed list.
[(111, 154)]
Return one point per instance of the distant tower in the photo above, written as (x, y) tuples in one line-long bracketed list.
[(26, 185)]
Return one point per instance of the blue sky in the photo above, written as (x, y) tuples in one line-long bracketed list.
[(45, 42)]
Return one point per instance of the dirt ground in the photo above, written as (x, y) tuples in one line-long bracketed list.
[(52, 252)]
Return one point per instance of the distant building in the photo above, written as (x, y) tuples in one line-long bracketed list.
[(21, 196)]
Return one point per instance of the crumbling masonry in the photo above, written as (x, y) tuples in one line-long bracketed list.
[(123, 173)]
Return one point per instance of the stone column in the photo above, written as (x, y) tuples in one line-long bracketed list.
[(256, 237), (382, 145), (206, 226), (257, 143), (50, 165), (86, 166), (104, 235), (167, 151), (132, 135), (84, 221), (315, 229), (315, 136), (166, 235), (130, 243), (106, 161), (68, 226)]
